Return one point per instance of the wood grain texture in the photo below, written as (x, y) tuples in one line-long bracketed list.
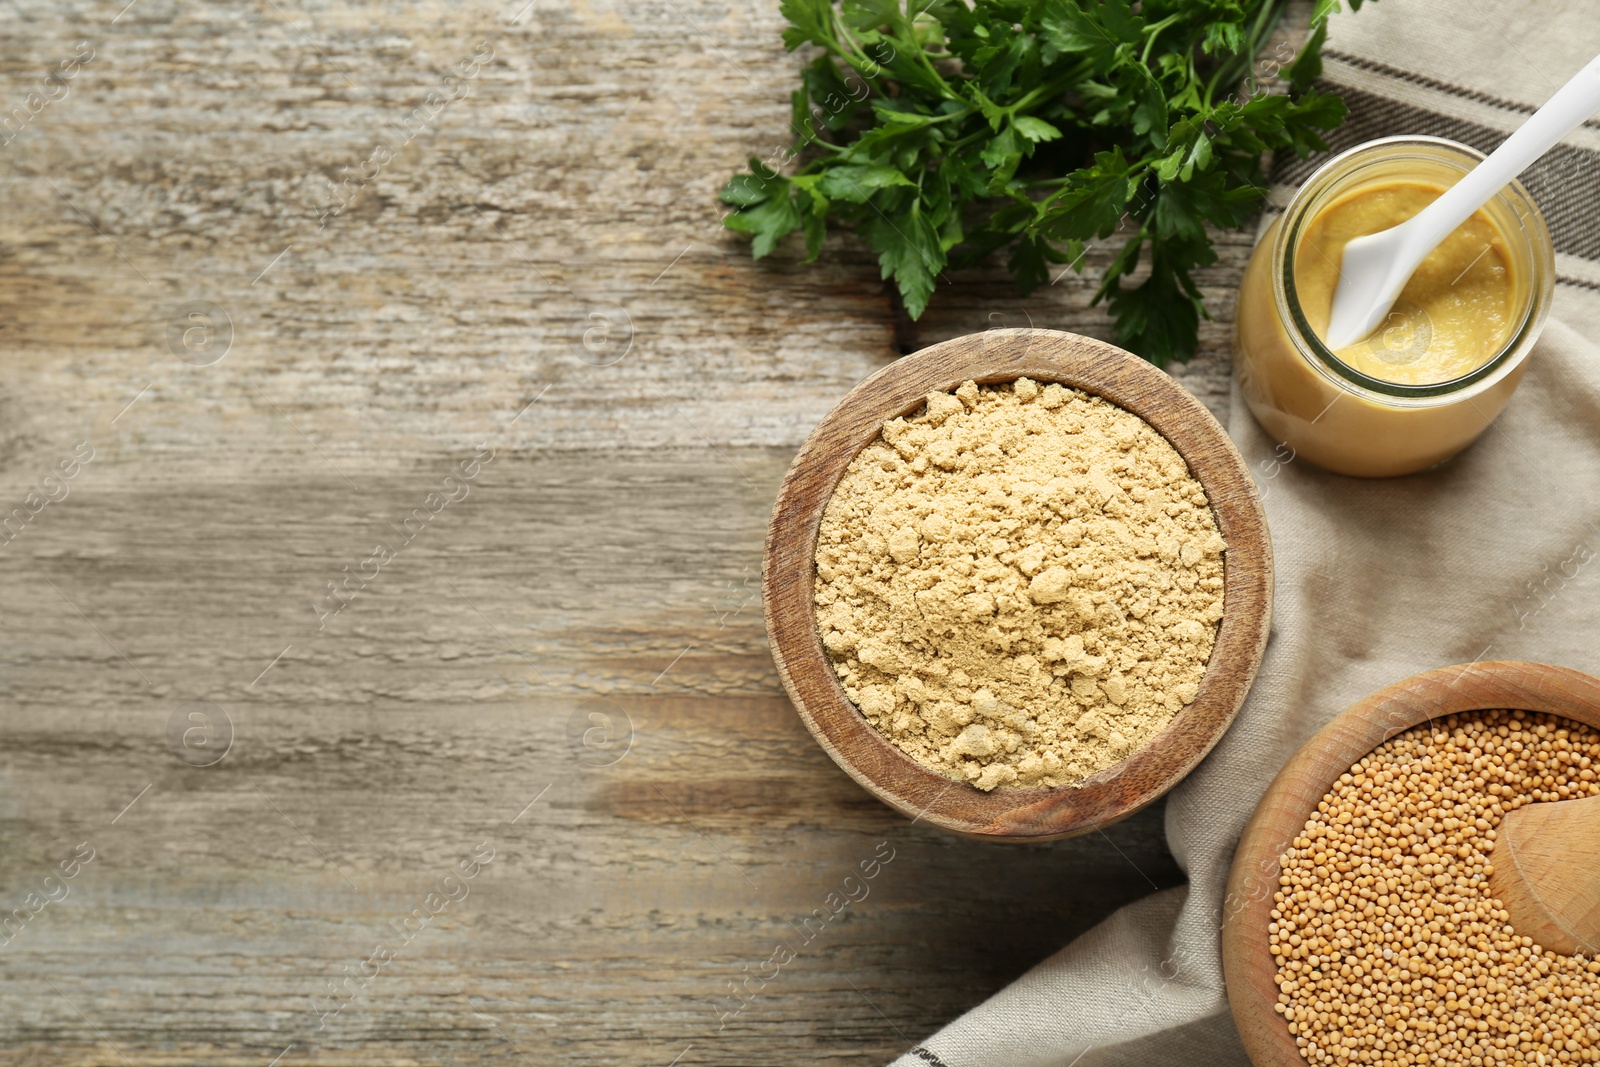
[(1247, 963), (1547, 874), (790, 574), (539, 269)]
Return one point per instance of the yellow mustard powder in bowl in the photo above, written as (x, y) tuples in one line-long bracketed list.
[(1019, 584)]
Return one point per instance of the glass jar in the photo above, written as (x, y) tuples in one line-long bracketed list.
[(1332, 414)]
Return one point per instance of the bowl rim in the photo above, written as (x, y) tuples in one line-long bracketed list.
[(1247, 965), (1016, 813)]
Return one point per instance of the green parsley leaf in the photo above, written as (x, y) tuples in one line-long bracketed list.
[(1035, 130), (908, 251)]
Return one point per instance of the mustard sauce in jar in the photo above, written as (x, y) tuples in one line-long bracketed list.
[(1447, 358)]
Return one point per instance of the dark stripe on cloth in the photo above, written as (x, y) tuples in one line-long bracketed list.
[(1565, 183), (1373, 66)]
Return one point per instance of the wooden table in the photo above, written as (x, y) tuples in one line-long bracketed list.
[(284, 346)]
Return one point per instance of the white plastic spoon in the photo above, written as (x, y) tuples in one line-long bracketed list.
[(1376, 267)]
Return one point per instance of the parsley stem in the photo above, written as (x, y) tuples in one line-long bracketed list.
[(1154, 30), (922, 53), (1051, 88), (1230, 72), (970, 138), (802, 141)]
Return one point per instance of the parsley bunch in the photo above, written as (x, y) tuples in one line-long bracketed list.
[(962, 127)]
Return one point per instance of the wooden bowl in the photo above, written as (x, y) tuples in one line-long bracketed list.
[(1247, 964), (1038, 813)]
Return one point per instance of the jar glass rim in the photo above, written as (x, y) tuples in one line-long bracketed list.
[(1326, 180)]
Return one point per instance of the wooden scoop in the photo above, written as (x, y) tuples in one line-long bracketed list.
[(1547, 874)]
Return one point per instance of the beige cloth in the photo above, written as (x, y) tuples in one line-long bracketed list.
[(1376, 580)]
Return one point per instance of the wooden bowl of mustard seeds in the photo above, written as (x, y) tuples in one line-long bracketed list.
[(1025, 813), (1249, 966)]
